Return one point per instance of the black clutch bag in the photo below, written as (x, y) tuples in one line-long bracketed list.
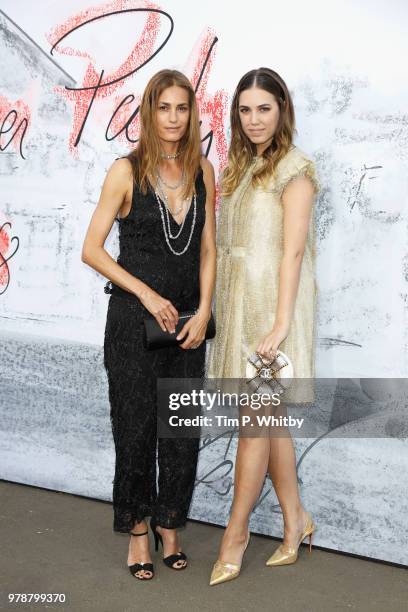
[(155, 338)]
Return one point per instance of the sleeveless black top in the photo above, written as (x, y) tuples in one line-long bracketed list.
[(143, 250)]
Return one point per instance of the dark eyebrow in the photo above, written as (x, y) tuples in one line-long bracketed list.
[(259, 105), (168, 103)]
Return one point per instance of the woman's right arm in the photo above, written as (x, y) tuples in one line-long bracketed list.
[(113, 195)]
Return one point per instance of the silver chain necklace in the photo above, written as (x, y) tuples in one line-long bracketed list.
[(180, 183), (167, 230), (165, 199)]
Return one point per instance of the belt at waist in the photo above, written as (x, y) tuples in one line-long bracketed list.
[(119, 292)]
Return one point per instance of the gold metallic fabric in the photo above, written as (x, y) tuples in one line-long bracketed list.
[(250, 247)]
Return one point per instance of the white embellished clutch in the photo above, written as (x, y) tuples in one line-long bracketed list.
[(270, 377)]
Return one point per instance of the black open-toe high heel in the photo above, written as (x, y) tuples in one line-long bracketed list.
[(171, 559), (137, 567)]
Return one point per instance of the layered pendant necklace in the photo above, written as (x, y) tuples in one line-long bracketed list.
[(162, 182), (162, 201)]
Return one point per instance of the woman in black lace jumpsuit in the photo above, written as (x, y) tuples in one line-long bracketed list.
[(149, 278), (133, 371)]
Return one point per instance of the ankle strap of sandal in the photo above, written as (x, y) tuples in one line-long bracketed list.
[(138, 534)]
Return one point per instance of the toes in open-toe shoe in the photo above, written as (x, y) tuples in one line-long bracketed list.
[(172, 560), (135, 568)]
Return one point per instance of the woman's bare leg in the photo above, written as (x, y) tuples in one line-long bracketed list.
[(282, 470), (250, 471), (139, 548)]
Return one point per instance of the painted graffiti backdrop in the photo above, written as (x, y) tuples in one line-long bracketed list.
[(72, 76)]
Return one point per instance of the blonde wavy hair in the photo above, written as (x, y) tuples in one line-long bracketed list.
[(242, 150), (145, 158)]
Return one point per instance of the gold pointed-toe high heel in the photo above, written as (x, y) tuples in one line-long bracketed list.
[(223, 571), (284, 554)]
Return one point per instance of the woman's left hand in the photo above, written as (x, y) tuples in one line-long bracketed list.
[(194, 330), (270, 343)]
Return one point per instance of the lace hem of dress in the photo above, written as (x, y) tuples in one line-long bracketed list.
[(125, 519)]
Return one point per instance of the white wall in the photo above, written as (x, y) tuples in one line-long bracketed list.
[(343, 62)]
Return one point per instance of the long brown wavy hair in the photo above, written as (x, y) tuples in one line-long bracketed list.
[(145, 158), (242, 150)]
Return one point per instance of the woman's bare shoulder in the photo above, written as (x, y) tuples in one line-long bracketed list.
[(206, 165), (121, 167), (208, 172), (119, 176)]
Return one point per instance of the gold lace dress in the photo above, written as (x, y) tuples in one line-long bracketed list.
[(249, 252)]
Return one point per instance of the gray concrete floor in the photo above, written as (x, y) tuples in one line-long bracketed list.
[(58, 543)]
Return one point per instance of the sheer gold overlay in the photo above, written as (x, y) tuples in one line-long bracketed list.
[(249, 245)]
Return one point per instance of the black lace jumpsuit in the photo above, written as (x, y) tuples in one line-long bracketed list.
[(133, 371)]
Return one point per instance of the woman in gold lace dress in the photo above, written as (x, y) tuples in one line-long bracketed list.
[(265, 294)]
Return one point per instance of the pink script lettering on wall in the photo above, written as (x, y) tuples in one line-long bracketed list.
[(97, 86), (15, 120), (6, 254)]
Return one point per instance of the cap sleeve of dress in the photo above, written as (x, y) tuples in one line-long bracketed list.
[(293, 165)]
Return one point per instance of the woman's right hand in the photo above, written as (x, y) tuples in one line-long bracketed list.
[(162, 309)]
